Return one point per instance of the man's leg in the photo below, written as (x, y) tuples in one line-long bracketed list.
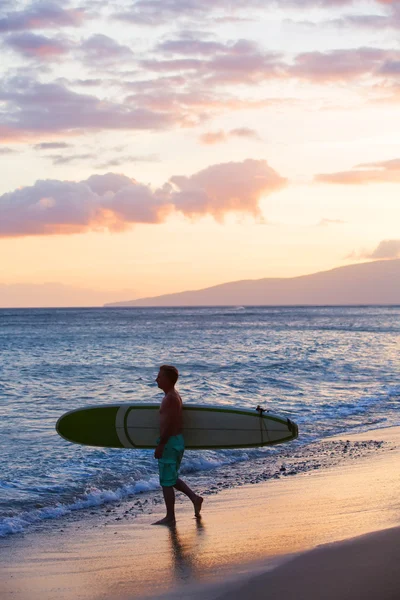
[(169, 499), (181, 486)]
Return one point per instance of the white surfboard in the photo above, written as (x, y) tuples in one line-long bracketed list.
[(204, 427)]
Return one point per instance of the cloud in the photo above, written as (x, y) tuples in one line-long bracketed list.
[(6, 150), (241, 61), (115, 202), (102, 50), (340, 64), (216, 137), (42, 15), (325, 222), (60, 159), (385, 165), (386, 249), (226, 187), (32, 109), (190, 45), (186, 89), (36, 46), (123, 160), (245, 132), (198, 102), (209, 65), (51, 146), (244, 62), (58, 207), (159, 12), (213, 137), (377, 172), (377, 22)]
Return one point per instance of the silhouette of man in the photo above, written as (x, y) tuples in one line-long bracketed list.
[(171, 446)]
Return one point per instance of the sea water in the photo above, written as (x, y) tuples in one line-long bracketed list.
[(330, 369)]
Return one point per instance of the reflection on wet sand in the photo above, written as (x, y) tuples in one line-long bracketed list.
[(185, 551)]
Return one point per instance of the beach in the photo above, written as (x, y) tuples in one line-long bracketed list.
[(296, 534)]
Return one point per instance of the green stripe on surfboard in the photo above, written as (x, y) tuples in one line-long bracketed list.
[(78, 425)]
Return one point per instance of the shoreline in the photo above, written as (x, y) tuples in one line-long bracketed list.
[(244, 530)]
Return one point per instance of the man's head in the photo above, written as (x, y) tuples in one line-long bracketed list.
[(167, 377)]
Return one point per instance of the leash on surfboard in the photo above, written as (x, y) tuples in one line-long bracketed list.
[(261, 411), (293, 428)]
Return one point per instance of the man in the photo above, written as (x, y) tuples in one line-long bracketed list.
[(171, 445)]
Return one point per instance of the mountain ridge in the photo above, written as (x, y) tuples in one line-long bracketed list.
[(376, 282)]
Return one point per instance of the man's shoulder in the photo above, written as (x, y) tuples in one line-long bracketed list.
[(173, 397)]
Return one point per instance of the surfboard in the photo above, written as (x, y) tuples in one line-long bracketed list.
[(204, 427)]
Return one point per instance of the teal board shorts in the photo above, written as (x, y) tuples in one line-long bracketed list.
[(169, 463)]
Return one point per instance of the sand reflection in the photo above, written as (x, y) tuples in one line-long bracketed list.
[(185, 551)]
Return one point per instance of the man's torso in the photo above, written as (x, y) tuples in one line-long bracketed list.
[(171, 406)]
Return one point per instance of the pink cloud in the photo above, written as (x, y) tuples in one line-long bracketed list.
[(244, 62), (339, 64), (390, 20), (245, 132), (226, 187), (386, 249), (378, 172), (42, 15), (158, 12), (191, 45), (115, 202), (216, 137), (32, 45), (100, 49), (178, 64), (101, 202), (213, 137), (35, 109), (239, 62)]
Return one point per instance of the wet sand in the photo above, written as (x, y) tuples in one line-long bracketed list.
[(265, 528)]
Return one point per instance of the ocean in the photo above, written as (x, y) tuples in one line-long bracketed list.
[(333, 370)]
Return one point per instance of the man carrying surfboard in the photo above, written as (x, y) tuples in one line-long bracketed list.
[(171, 446)]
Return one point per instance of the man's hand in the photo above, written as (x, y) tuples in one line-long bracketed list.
[(158, 452)]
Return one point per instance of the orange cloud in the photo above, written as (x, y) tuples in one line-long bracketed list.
[(116, 202), (226, 187), (378, 172), (215, 137)]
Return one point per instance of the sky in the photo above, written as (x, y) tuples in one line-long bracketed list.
[(155, 146)]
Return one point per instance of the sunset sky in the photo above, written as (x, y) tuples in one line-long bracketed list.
[(155, 146)]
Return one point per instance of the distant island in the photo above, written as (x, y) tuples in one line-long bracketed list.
[(376, 282)]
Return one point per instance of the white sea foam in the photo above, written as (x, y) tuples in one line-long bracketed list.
[(93, 498)]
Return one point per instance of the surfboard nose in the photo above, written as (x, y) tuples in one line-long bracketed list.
[(92, 426), (293, 428)]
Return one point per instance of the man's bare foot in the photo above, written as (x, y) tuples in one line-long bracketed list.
[(166, 521), (197, 506)]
